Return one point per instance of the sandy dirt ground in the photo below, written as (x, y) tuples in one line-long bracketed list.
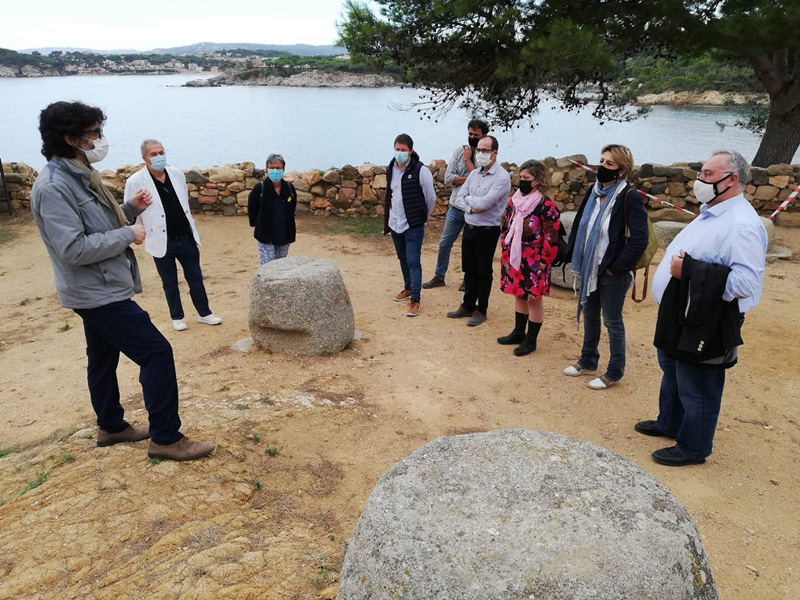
[(302, 441)]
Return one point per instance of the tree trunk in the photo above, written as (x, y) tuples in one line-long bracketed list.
[(780, 141)]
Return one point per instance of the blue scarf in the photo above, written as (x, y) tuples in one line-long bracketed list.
[(584, 259)]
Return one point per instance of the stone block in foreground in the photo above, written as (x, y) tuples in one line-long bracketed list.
[(300, 305), (520, 514)]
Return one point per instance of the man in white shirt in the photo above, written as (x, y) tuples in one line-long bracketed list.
[(728, 238), (171, 232), (483, 198)]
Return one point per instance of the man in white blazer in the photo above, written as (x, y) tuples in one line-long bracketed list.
[(171, 232)]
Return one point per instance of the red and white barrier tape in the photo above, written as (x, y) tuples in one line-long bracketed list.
[(786, 202), (688, 212)]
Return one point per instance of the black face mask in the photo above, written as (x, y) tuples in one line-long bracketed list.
[(473, 142), (605, 175), (525, 186)]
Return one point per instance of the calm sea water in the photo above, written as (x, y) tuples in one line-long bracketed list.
[(319, 128)]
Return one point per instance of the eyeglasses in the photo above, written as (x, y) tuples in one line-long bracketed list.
[(484, 150), (708, 174), (97, 132)]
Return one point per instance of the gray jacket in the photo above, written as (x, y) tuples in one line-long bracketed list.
[(92, 262)]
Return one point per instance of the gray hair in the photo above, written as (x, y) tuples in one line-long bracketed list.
[(736, 164), (276, 158), (143, 147)]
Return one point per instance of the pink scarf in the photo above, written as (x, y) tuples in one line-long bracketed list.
[(523, 206)]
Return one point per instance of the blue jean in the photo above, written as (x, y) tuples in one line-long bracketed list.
[(125, 327), (608, 298), (184, 249), (453, 224), (689, 403), (408, 246)]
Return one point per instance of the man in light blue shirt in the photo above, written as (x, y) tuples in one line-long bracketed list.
[(727, 232), (410, 198), (460, 166), (483, 198)]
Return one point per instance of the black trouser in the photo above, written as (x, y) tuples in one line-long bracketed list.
[(477, 254), (125, 327)]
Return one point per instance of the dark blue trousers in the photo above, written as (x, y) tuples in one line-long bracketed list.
[(689, 404), (185, 250), (125, 327)]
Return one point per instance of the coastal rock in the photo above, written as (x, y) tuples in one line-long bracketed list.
[(770, 227), (332, 176), (666, 231), (222, 175), (774, 170), (516, 514), (195, 177), (300, 305)]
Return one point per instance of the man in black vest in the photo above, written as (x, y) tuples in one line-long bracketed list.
[(410, 198)]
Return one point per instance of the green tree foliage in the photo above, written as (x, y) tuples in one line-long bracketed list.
[(499, 57), (649, 74)]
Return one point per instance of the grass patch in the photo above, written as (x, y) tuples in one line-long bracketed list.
[(6, 451), (24, 301), (268, 401), (6, 235), (32, 484), (273, 451), (156, 461), (325, 571), (254, 437), (242, 406), (360, 226), (65, 327), (69, 434), (224, 388), (257, 484), (67, 458)]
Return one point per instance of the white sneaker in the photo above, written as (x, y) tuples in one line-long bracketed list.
[(179, 325), (211, 319)]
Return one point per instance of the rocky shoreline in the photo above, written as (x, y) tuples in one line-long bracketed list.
[(707, 98), (311, 78)]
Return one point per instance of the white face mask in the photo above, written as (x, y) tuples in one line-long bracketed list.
[(100, 150), (706, 192), (483, 160)]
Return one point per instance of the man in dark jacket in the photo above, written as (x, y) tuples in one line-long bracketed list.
[(410, 198), (695, 349), (87, 235)]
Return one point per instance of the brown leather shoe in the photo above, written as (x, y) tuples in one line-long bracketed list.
[(131, 434), (413, 309), (183, 449)]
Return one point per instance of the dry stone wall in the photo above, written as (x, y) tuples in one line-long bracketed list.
[(352, 191)]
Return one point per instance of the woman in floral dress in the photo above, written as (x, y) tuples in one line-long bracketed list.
[(529, 241)]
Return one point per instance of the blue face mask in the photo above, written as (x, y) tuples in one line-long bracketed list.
[(401, 157), (158, 163), (275, 174)]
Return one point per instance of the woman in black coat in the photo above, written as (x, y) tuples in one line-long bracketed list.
[(271, 207)]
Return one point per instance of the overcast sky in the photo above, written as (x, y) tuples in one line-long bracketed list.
[(167, 23)]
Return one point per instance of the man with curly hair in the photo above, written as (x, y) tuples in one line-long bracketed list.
[(88, 236)]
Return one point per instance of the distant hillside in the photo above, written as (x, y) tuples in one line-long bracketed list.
[(296, 49)]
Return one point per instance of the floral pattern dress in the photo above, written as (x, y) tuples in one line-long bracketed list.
[(539, 245)]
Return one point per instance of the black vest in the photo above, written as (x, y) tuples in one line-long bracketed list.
[(414, 203)]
